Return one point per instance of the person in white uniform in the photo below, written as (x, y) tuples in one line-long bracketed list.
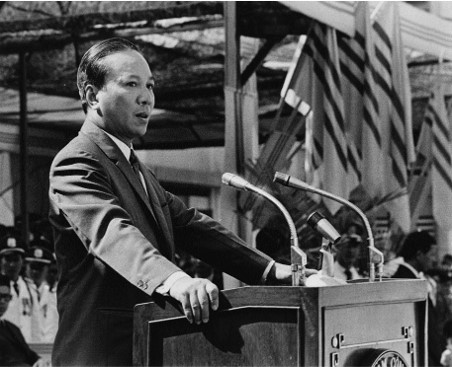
[(23, 304), (38, 260)]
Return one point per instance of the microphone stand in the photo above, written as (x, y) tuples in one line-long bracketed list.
[(297, 256), (287, 180)]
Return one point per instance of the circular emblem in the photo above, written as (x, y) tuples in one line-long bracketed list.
[(11, 242), (38, 253), (384, 358)]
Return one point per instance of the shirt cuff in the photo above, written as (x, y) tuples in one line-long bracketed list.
[(267, 271), (165, 287)]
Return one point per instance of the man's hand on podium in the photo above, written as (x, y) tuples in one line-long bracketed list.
[(197, 296), (282, 274)]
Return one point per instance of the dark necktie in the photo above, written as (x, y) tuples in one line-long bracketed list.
[(348, 274), (134, 163), (16, 288), (136, 168)]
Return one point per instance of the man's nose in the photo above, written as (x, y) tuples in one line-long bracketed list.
[(146, 97)]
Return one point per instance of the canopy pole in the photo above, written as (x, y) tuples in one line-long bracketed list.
[(23, 149), (233, 139)]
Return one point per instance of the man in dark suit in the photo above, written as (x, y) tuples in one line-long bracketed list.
[(116, 229), (416, 252), (14, 350)]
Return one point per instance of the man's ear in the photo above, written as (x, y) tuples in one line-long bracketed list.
[(91, 96)]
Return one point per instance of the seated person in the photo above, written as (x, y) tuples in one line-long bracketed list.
[(14, 351)]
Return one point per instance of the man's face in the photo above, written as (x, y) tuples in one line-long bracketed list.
[(349, 250), (426, 260), (37, 271), (126, 100), (5, 297), (12, 264)]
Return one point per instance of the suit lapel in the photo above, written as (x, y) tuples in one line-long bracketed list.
[(103, 141), (161, 220)]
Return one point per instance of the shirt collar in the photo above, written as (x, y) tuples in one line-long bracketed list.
[(125, 149)]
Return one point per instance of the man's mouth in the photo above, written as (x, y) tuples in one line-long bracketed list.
[(143, 115)]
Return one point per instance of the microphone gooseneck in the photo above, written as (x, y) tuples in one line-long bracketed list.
[(298, 257), (287, 180)]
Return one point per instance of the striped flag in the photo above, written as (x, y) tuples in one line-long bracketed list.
[(394, 102), (378, 111), (361, 111), (441, 159), (316, 81), (420, 184), (434, 158)]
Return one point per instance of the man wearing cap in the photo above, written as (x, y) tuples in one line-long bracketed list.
[(23, 302), (14, 350), (38, 259)]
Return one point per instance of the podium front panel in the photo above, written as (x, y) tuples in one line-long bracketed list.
[(248, 336), (352, 333)]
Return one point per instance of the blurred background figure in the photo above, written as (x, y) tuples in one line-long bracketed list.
[(14, 350), (418, 251), (446, 356), (51, 323), (442, 274), (38, 261), (274, 240), (416, 255), (23, 305), (348, 251)]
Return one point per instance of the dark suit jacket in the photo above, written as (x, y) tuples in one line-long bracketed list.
[(404, 272), (114, 246), (436, 340), (14, 351)]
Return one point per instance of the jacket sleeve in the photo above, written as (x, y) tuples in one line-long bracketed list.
[(211, 242), (81, 191)]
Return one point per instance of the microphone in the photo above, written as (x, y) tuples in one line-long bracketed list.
[(287, 180), (237, 182), (298, 257), (319, 223)]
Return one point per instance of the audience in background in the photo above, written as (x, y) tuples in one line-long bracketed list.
[(38, 260), (33, 304), (274, 240), (348, 251), (23, 305), (417, 251), (14, 350)]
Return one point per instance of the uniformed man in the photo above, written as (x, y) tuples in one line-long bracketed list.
[(38, 260), (23, 304)]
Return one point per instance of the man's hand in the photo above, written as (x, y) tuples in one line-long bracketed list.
[(282, 274), (197, 296)]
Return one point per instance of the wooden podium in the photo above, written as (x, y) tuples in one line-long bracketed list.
[(357, 324)]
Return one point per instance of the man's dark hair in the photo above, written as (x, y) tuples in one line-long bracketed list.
[(92, 71), (4, 281), (415, 242)]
